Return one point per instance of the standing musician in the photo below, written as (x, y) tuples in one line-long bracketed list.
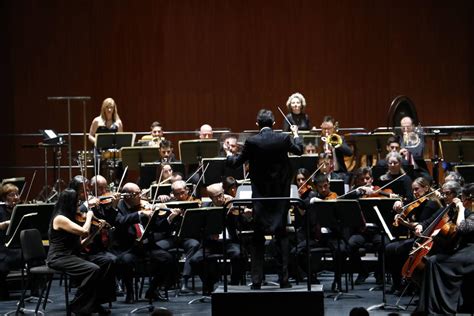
[(132, 212), (397, 251), (107, 122), (448, 276), (64, 255), (270, 173), (395, 170), (95, 248), (167, 239), (9, 258), (335, 148), (296, 105), (363, 188), (208, 271)]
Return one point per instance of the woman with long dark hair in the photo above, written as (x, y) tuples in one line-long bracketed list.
[(64, 248)]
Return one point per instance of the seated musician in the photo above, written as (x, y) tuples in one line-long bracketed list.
[(310, 149), (166, 151), (208, 271), (95, 249), (454, 176), (448, 276), (397, 251), (64, 255), (167, 238), (329, 238), (362, 187), (230, 185), (414, 155), (9, 258), (155, 137), (165, 174), (306, 191), (335, 152), (393, 145), (132, 212), (205, 132), (395, 170), (230, 147)]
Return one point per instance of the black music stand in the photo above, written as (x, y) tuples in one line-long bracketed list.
[(165, 189), (150, 171), (193, 151), (337, 185), (217, 170), (202, 222), (336, 215), (460, 151), (114, 140), (43, 218), (466, 171), (19, 182), (134, 156), (379, 212), (309, 162), (370, 144)]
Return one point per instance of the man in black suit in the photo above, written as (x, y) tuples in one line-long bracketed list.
[(270, 173)]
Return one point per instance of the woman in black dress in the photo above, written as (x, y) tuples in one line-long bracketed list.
[(448, 276), (296, 104), (64, 248)]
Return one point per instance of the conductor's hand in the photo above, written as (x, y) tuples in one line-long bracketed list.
[(294, 130)]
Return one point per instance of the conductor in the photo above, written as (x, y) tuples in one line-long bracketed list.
[(270, 174)]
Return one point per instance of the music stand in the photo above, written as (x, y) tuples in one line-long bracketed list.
[(43, 218), (150, 171), (114, 140), (337, 185), (336, 215), (309, 162), (193, 151), (218, 170), (369, 144), (466, 171), (379, 211), (201, 222), (165, 189), (457, 150), (134, 156)]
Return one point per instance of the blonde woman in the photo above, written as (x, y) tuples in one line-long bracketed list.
[(107, 122), (296, 104)]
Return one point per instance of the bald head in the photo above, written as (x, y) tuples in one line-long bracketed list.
[(180, 190), (216, 193), (101, 183), (205, 131)]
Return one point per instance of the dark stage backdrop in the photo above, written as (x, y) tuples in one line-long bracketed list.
[(189, 62)]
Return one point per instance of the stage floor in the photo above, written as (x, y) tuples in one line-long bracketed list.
[(179, 305)]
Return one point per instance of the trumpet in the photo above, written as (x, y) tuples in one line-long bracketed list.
[(333, 140)]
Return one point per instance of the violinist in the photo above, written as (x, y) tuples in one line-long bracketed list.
[(397, 251), (306, 191), (9, 258), (329, 238), (362, 187), (448, 276), (335, 150), (133, 214), (208, 271), (96, 250), (394, 173), (167, 240), (64, 255)]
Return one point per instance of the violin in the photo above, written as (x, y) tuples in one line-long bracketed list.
[(379, 192), (80, 217), (331, 196), (302, 190), (407, 209)]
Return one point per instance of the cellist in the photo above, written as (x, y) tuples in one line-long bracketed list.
[(448, 275), (396, 252)]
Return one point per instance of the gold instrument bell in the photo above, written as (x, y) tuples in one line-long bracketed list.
[(334, 140)]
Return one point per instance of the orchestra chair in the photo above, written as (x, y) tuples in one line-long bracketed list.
[(34, 256)]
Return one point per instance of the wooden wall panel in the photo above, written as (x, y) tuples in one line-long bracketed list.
[(218, 61)]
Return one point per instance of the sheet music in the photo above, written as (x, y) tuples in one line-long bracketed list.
[(384, 225)]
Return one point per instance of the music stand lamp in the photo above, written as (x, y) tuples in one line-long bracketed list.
[(336, 215)]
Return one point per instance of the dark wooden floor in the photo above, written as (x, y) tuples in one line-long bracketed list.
[(179, 305)]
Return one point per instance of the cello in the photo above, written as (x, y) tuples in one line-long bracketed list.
[(423, 245)]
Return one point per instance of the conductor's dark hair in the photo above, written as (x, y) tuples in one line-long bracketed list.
[(76, 183), (265, 118)]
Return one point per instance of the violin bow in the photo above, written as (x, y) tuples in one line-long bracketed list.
[(312, 175), (155, 196), (424, 196), (200, 178), (29, 188), (386, 185), (123, 177)]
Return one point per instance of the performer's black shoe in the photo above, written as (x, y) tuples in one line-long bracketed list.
[(256, 286), (361, 278), (285, 285), (129, 299)]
